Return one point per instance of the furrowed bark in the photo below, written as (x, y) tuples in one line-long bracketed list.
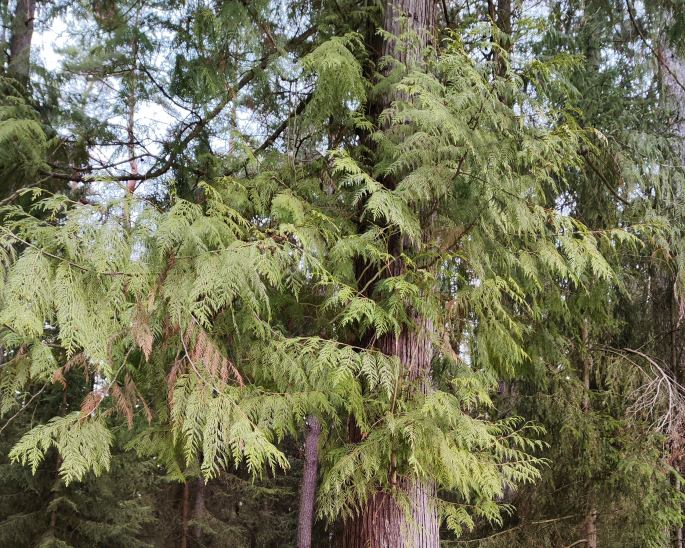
[(672, 73), (305, 520), (381, 523)]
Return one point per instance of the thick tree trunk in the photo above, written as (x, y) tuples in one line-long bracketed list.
[(4, 25), (20, 41), (672, 69), (382, 523), (305, 519)]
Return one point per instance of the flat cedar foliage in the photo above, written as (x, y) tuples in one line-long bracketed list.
[(448, 235)]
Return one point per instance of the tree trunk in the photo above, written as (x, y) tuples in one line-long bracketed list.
[(305, 519), (587, 366), (20, 41), (381, 522), (184, 515), (198, 507), (500, 14), (591, 530), (4, 25), (130, 122), (672, 72), (591, 518)]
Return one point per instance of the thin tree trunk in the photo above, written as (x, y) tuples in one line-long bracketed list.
[(587, 366), (130, 123), (305, 519), (591, 529), (184, 515), (20, 41), (591, 518), (198, 507)]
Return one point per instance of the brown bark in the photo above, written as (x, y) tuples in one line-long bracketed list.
[(305, 519), (198, 507), (591, 529), (20, 41), (420, 19), (402, 17), (184, 515), (382, 523)]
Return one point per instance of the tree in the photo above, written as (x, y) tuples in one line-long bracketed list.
[(349, 222)]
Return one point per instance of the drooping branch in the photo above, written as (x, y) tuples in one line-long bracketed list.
[(659, 58), (276, 133)]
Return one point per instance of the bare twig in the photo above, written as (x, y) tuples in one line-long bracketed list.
[(23, 407)]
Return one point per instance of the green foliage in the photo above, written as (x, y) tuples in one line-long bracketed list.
[(23, 143), (507, 205), (83, 445)]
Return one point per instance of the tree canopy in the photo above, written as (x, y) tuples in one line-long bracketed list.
[(342, 273)]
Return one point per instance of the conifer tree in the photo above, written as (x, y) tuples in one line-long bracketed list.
[(356, 221)]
